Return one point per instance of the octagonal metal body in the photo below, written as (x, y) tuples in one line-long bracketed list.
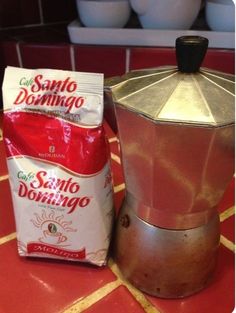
[(176, 133)]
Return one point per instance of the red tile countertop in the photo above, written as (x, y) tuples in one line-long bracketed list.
[(48, 286)]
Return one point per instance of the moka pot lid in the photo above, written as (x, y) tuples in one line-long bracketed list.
[(185, 94)]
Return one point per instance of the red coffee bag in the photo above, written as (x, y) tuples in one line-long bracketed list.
[(58, 162)]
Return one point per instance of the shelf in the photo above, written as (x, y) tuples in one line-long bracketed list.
[(143, 37)]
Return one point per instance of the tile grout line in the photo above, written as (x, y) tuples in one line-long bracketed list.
[(113, 139), (115, 158), (7, 238), (119, 188), (84, 303), (41, 12), (4, 177), (227, 243), (18, 52), (138, 295), (227, 213), (223, 240), (72, 57), (127, 60)]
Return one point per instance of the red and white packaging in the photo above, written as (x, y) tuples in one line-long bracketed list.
[(58, 162)]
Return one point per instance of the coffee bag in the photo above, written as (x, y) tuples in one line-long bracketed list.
[(58, 162)]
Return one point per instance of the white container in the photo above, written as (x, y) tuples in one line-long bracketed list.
[(220, 15), (166, 14), (104, 13)]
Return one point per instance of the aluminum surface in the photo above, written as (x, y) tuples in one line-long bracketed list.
[(176, 132), (165, 94), (175, 174), (162, 262)]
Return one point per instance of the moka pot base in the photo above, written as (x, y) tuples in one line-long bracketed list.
[(163, 262)]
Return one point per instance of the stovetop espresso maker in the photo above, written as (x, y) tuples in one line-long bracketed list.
[(176, 131)]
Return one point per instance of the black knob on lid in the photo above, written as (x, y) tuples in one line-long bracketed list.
[(190, 52)]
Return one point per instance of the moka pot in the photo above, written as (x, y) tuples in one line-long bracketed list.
[(176, 132)]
